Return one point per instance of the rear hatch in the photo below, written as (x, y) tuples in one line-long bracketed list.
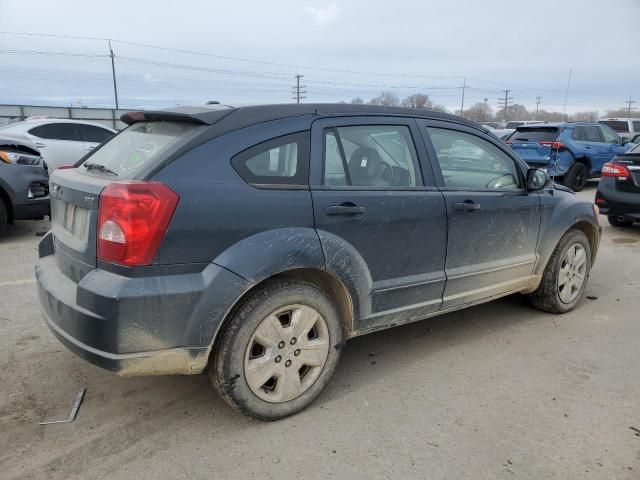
[(534, 144), (132, 155)]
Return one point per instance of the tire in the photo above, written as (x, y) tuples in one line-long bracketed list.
[(554, 296), (576, 177), (619, 221), (4, 216), (253, 348)]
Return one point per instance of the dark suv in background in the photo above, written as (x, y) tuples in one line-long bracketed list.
[(618, 194), (24, 182), (571, 152), (254, 241)]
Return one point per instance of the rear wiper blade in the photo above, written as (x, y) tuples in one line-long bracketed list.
[(100, 168)]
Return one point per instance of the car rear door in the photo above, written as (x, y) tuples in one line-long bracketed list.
[(493, 220), (379, 216), (59, 142), (92, 136)]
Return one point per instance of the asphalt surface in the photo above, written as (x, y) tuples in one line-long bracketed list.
[(496, 391)]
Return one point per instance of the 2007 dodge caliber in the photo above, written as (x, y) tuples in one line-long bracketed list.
[(252, 242)]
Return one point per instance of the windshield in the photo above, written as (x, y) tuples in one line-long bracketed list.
[(537, 134), (617, 125), (138, 148)]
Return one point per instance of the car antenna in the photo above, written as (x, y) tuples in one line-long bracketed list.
[(564, 109)]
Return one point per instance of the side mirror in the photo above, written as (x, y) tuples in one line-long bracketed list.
[(624, 140), (537, 179)]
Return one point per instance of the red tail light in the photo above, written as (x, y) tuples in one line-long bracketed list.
[(554, 145), (132, 220), (614, 170)]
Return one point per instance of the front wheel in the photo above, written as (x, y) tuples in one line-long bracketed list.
[(619, 221), (566, 275), (576, 177), (278, 351)]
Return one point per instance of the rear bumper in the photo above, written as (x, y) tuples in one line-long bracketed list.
[(613, 202), (152, 325)]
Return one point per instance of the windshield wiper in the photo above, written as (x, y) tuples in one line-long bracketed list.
[(100, 168)]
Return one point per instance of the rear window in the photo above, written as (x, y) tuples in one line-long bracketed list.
[(534, 134), (140, 147), (617, 125)]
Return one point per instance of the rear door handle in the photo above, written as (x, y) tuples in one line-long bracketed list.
[(588, 147), (467, 206), (344, 209), (40, 144)]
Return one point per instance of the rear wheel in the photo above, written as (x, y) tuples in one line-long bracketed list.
[(4, 215), (566, 275), (619, 221), (278, 351), (576, 177)]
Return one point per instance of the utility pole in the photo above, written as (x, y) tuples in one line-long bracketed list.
[(486, 109), (299, 90), (629, 103), (505, 101), (464, 87), (537, 106), (113, 72)]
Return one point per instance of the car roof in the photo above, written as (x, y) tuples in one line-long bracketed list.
[(619, 118), (240, 117), (31, 122)]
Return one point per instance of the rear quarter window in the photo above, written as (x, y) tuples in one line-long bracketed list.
[(279, 161), (141, 147)]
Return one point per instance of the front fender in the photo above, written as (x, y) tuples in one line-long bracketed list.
[(561, 211)]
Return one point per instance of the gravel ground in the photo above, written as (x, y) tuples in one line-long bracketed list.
[(495, 391)]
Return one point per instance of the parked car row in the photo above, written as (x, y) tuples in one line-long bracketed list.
[(571, 152), (31, 149)]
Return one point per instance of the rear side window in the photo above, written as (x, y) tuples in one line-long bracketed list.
[(586, 133), (636, 127), (57, 131), (280, 161), (538, 134), (370, 156), (92, 134), (140, 147), (617, 125)]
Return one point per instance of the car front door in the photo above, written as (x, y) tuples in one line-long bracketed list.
[(493, 220), (379, 216), (93, 136), (60, 143)]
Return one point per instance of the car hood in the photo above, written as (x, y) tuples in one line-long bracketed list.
[(16, 141)]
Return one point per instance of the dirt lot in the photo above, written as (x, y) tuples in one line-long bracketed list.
[(496, 391)]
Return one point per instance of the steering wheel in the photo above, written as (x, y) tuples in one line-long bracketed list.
[(385, 174), (502, 181)]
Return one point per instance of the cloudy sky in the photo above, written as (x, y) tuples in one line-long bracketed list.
[(244, 52)]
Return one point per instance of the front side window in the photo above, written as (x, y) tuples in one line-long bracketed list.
[(609, 135), (470, 162), (280, 161), (57, 131), (370, 156)]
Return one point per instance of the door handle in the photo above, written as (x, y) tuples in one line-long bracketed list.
[(587, 147), (467, 206), (88, 149), (40, 144), (344, 209)]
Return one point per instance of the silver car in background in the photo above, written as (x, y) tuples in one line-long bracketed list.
[(60, 141)]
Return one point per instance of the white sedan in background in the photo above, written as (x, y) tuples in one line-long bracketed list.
[(60, 141)]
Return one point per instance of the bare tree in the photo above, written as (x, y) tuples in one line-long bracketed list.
[(586, 116), (436, 107), (388, 99), (418, 100), (357, 101), (479, 112), (623, 112)]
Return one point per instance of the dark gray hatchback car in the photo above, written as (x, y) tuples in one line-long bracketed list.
[(254, 241)]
